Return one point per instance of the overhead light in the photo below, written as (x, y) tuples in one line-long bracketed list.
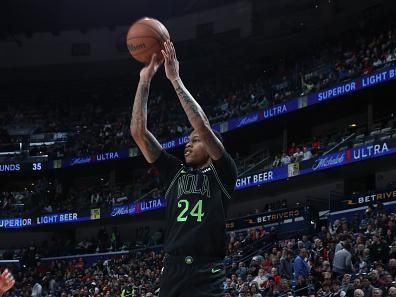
[(352, 125)]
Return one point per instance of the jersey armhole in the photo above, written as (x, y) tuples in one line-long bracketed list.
[(219, 182), (173, 181)]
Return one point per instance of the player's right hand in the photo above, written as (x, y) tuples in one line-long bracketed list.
[(171, 62), (148, 71)]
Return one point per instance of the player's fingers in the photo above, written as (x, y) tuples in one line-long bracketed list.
[(165, 56), (166, 47), (4, 272), (173, 50), (170, 49)]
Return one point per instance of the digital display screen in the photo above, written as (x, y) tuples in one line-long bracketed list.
[(16, 167)]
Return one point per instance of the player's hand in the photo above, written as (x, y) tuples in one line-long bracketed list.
[(148, 71), (6, 281), (171, 62)]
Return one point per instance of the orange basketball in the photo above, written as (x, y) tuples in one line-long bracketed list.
[(146, 37)]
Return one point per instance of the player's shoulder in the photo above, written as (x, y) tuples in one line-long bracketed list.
[(226, 161)]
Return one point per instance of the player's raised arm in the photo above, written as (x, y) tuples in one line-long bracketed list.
[(195, 113), (145, 140)]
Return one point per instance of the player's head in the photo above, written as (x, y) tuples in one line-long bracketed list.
[(195, 153)]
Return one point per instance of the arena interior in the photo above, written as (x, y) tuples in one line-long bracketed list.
[(303, 94)]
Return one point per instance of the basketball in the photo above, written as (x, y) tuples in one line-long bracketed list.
[(145, 37)]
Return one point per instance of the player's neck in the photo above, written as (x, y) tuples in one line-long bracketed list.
[(203, 165)]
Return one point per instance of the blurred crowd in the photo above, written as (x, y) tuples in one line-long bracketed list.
[(382, 130), (51, 196), (136, 274), (102, 125), (46, 196), (350, 257), (354, 256)]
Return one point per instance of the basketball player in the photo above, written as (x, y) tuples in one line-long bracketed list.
[(6, 281), (199, 190)]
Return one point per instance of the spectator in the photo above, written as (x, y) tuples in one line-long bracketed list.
[(37, 290), (261, 279), (315, 145), (242, 270), (286, 267), (285, 159), (375, 279), (358, 293), (277, 161), (307, 242), (342, 262), (298, 155), (254, 290), (378, 249), (377, 292), (292, 149), (307, 154), (301, 267), (366, 286), (336, 290), (346, 285), (324, 291), (275, 276), (392, 291)]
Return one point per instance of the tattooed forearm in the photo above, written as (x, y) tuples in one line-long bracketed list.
[(146, 141), (186, 98), (198, 120), (139, 112), (194, 112)]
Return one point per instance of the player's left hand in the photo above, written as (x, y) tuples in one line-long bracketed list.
[(6, 281), (147, 73), (171, 63)]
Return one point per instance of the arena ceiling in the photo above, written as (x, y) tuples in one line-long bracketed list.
[(21, 16)]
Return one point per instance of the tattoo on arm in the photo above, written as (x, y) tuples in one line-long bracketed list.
[(146, 141), (199, 120), (194, 112), (139, 113)]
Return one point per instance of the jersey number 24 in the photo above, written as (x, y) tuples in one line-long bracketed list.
[(196, 211)]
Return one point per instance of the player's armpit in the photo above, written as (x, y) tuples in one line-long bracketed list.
[(213, 145), (148, 144)]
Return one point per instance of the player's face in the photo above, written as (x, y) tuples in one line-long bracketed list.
[(195, 153)]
